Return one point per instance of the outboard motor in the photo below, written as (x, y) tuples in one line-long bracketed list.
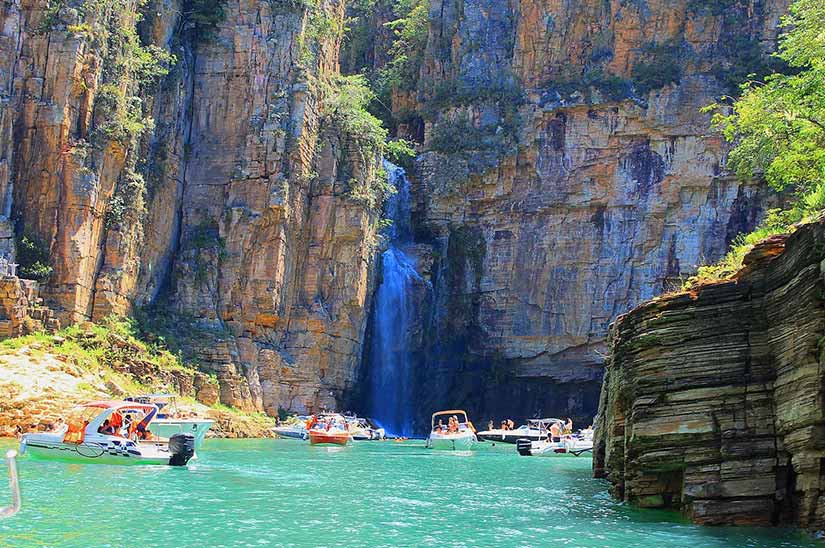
[(524, 447), (182, 447)]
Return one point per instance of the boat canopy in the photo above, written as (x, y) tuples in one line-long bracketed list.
[(154, 397), (117, 404), (450, 412), (109, 407)]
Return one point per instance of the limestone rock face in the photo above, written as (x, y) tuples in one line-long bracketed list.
[(711, 400), (230, 212), (565, 174), (583, 180)]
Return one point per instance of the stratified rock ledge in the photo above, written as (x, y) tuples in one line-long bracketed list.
[(712, 401)]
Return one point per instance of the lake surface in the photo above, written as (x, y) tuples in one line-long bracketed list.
[(287, 493)]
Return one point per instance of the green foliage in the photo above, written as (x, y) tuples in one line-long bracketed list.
[(33, 258), (779, 125), (460, 134), (400, 152), (778, 128), (610, 86), (409, 44), (321, 27), (120, 115), (200, 18), (130, 195), (506, 92), (345, 107), (658, 66), (106, 347)]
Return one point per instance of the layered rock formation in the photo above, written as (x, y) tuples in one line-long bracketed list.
[(712, 400)]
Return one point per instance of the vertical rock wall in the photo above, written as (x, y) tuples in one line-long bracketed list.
[(245, 230), (712, 400), (567, 175)]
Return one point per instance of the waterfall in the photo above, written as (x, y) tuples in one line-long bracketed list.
[(394, 316)]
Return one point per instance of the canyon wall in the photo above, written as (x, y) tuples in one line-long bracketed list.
[(712, 400), (567, 174), (564, 174), (229, 212)]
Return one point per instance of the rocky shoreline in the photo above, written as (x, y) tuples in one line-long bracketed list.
[(712, 400), (43, 376)]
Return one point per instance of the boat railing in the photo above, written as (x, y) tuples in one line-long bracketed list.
[(9, 511)]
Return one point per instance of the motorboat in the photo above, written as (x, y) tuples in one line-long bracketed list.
[(569, 444), (534, 430), (110, 432), (293, 428), (363, 429), (328, 429), (458, 435), (170, 421), (9, 511)]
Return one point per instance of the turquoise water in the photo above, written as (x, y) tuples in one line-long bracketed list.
[(285, 493)]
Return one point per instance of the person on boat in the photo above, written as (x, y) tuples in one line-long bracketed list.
[(440, 426), (116, 422), (568, 426), (453, 424), (106, 428), (555, 432), (510, 424), (504, 425), (490, 425)]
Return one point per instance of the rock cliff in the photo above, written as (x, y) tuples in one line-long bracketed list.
[(565, 173), (712, 400), (217, 193)]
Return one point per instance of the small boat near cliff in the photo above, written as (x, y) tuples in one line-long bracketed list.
[(534, 430), (169, 421), (364, 429), (458, 435), (110, 432), (574, 444), (328, 429), (293, 429)]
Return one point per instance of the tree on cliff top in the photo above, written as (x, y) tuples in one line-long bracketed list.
[(778, 126), (778, 130)]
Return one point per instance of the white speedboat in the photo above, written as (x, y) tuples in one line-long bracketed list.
[(169, 420), (460, 437), (534, 430), (362, 429), (110, 432), (575, 445), (294, 428)]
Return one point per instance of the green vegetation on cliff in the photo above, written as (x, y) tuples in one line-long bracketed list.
[(113, 348), (778, 130)]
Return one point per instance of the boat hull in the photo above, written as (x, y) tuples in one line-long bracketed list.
[(508, 437), (575, 448), (288, 432), (459, 442), (94, 453), (166, 428), (320, 437)]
